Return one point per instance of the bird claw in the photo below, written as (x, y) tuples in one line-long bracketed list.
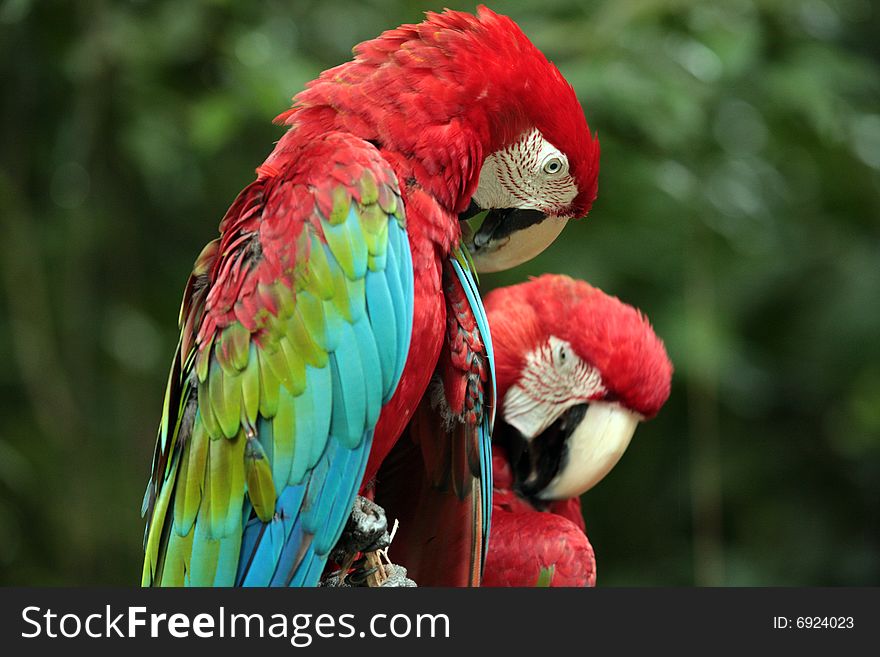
[(365, 531), (334, 580), (360, 575), (395, 577)]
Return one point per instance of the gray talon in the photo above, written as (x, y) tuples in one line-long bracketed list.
[(397, 577), (333, 580), (358, 578), (365, 531)]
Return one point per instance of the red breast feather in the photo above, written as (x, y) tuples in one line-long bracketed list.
[(523, 544)]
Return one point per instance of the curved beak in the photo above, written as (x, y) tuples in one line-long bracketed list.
[(592, 448), (509, 237), (572, 454)]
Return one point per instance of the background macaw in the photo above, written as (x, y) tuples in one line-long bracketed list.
[(577, 371), (341, 283)]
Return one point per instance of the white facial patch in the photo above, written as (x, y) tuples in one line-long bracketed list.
[(594, 448), (554, 379), (530, 174)]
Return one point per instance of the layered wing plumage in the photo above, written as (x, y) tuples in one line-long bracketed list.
[(295, 325), (438, 479)]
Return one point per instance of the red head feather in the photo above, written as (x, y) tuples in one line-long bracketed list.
[(439, 96), (610, 335)]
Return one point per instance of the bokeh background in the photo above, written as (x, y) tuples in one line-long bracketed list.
[(739, 207)]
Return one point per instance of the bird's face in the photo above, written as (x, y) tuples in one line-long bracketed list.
[(563, 428), (578, 372), (526, 194), (524, 197)]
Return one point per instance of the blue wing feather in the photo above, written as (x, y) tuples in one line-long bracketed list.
[(372, 370), (263, 543), (349, 394), (313, 410), (398, 272), (485, 430), (204, 553), (227, 560), (383, 320)]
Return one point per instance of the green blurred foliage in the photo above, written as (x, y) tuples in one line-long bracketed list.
[(738, 207)]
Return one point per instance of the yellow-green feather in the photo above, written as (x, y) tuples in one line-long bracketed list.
[(346, 242), (232, 350), (317, 277), (296, 366), (260, 485), (219, 481), (286, 301), (204, 359), (350, 299), (226, 485), (151, 556), (284, 437), (250, 388), (177, 559), (387, 200), (237, 485), (376, 236), (368, 188), (311, 310), (207, 412), (205, 567), (192, 479), (223, 390), (341, 205), (303, 342), (269, 385), (545, 577), (272, 358)]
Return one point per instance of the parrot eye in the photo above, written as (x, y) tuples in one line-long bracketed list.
[(553, 166), (560, 353)]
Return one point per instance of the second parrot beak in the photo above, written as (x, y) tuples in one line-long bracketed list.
[(507, 237), (594, 447), (575, 452)]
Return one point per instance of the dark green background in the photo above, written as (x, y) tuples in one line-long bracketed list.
[(739, 207)]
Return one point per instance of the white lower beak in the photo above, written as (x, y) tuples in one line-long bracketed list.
[(519, 247), (594, 448)]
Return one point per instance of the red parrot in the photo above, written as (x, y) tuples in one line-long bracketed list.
[(342, 282), (577, 370)]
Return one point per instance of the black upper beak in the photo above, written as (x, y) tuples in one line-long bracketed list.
[(471, 210), (536, 462), (500, 222)]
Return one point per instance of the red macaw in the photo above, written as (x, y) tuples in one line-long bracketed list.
[(342, 282), (577, 370)]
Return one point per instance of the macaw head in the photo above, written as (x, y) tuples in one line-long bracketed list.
[(577, 370), (542, 172), (466, 109)]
